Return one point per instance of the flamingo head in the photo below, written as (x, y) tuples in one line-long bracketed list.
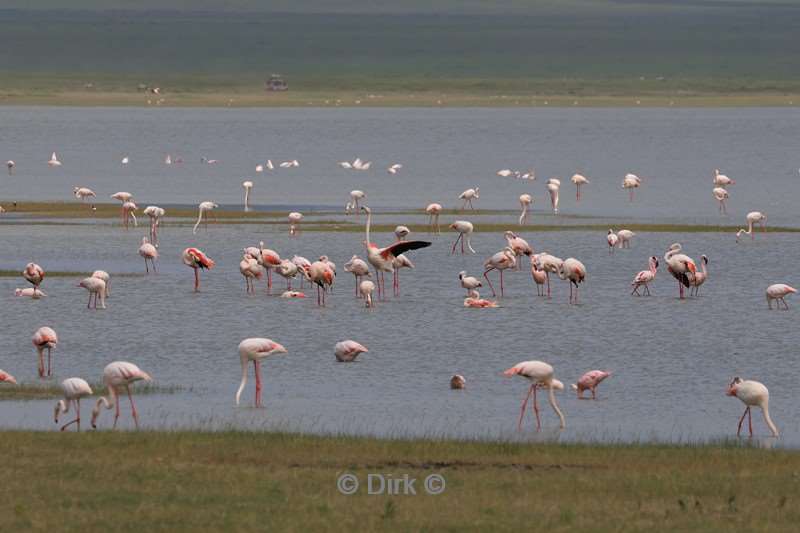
[(733, 386), (278, 348)]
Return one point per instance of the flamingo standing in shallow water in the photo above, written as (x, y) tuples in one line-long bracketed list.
[(525, 201), (294, 222), (680, 266), (197, 260), (778, 292), (83, 193), (44, 338), (203, 209), (103, 275), (464, 229), (502, 260), (539, 276), (644, 277), (625, 236), (366, 288), (128, 213), (549, 264), (433, 211), (352, 205), (540, 374), (468, 196), (154, 213), (148, 252), (612, 240), (358, 268), (34, 274), (752, 394), (469, 283), (347, 351), (519, 245), (269, 259), (255, 349), (579, 180), (288, 271), (251, 271), (248, 186), (698, 278), (589, 381), (574, 271), (382, 259), (721, 196), (322, 275), (74, 389), (116, 376), (97, 289), (721, 180), (553, 186), (631, 182), (753, 217)]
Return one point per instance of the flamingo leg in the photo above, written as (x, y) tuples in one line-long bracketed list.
[(196, 280), (116, 410), (257, 369), (750, 421), (133, 406), (547, 276), (502, 290), (48, 361), (65, 426), (524, 405), (741, 421), (489, 281), (41, 364), (536, 409), (456, 243), (146, 268), (647, 289)]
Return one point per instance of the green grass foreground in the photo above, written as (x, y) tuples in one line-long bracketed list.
[(238, 481)]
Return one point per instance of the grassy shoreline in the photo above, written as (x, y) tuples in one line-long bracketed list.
[(181, 481)]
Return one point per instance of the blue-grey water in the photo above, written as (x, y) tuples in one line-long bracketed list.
[(671, 359)]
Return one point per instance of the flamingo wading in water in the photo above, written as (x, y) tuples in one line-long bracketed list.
[(44, 338), (574, 271), (464, 229), (197, 260), (753, 217), (468, 196), (589, 381), (540, 374), (347, 351), (74, 389), (525, 202), (255, 349), (778, 292), (680, 266), (644, 277), (203, 209), (698, 278), (501, 261), (752, 394), (433, 210), (117, 376), (579, 180)]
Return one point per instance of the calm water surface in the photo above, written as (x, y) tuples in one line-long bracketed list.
[(671, 359)]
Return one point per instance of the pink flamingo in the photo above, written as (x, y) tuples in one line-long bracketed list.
[(197, 260), (540, 374), (433, 211), (401, 261), (255, 349), (74, 389), (97, 289), (579, 180), (347, 351), (366, 288), (321, 274), (5, 377), (553, 186), (468, 196), (116, 376), (644, 277), (251, 271), (612, 240), (288, 271), (102, 274), (721, 196), (44, 338), (778, 292), (519, 245), (358, 268), (474, 300), (753, 217), (589, 381), (680, 266), (203, 210), (525, 201), (269, 260), (294, 222), (539, 276), (721, 180), (470, 283), (302, 265), (549, 264), (148, 252), (574, 271), (464, 229), (752, 394), (502, 260), (698, 278), (34, 274), (631, 182), (155, 214)]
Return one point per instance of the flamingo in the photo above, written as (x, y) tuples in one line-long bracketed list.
[(394, 169), (31, 292), (579, 180), (721, 180), (197, 260), (269, 259), (401, 232), (203, 209), (457, 382), (505, 172), (778, 292), (255, 349), (122, 196), (433, 210), (54, 162), (366, 288), (468, 196), (680, 266), (358, 268), (128, 209), (539, 276), (469, 283), (589, 381), (302, 264), (148, 251), (752, 394), (74, 389), (294, 222), (168, 159), (44, 338), (347, 351), (97, 289), (464, 229), (154, 213), (721, 195), (474, 300), (631, 182), (10, 165), (612, 240), (125, 160), (519, 245), (325, 259), (574, 271), (502, 260), (644, 277), (116, 376), (83, 193), (401, 261), (103, 275), (753, 217), (322, 275), (549, 264), (290, 164), (382, 259), (292, 294), (625, 236), (248, 186), (540, 374), (288, 271), (251, 270), (259, 168), (698, 278), (525, 201), (5, 377), (355, 197), (208, 161), (34, 274), (553, 186)]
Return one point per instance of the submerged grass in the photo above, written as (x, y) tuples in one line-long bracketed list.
[(240, 481), (69, 274), (496, 227), (46, 391)]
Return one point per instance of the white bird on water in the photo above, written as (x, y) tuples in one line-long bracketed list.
[(203, 210), (54, 162)]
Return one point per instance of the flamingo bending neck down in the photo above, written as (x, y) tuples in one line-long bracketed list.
[(44, 338), (579, 180), (433, 211), (468, 196), (255, 349), (148, 251), (778, 292), (464, 229), (644, 277), (97, 289), (752, 394), (74, 389), (203, 209), (116, 376), (525, 201), (248, 186), (382, 259), (359, 269), (549, 264), (197, 260), (553, 186), (589, 381), (501, 261), (155, 213), (574, 271), (753, 217), (347, 351), (540, 374), (698, 278)]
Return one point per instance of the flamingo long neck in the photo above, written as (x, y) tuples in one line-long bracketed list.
[(468, 238), (61, 407), (653, 267), (551, 397), (104, 402), (703, 266), (199, 219), (369, 223), (244, 380), (768, 420), (246, 197), (524, 211)]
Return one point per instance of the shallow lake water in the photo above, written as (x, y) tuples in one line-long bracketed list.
[(671, 359)]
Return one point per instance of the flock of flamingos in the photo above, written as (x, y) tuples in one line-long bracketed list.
[(258, 262)]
